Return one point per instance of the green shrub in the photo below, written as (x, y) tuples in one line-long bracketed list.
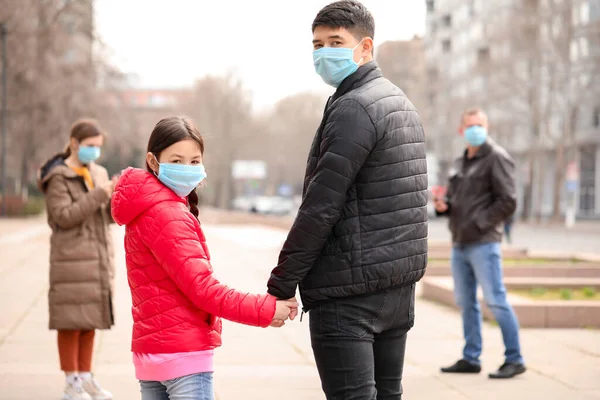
[(566, 294), (589, 292), (34, 206), (16, 207), (539, 291)]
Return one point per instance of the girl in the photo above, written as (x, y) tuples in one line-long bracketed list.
[(77, 194), (176, 299)]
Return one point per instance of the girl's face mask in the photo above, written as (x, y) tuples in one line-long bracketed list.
[(181, 178)]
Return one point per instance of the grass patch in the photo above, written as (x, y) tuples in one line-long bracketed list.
[(541, 293)]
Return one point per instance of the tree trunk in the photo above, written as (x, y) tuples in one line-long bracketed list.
[(528, 189), (559, 181), (539, 192), (24, 177)]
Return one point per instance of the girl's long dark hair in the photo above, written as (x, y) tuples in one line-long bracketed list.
[(169, 131)]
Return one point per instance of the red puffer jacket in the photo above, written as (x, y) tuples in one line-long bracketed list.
[(176, 298)]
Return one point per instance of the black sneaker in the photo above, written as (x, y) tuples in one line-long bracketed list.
[(508, 370), (462, 367)]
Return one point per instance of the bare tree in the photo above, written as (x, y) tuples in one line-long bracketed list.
[(222, 109), (544, 73), (291, 129), (51, 77)]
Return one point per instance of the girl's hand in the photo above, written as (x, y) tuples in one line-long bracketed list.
[(283, 309)]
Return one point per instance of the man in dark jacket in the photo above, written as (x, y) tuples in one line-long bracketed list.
[(481, 196), (359, 242)]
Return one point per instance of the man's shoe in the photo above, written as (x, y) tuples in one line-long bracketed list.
[(508, 370), (462, 367)]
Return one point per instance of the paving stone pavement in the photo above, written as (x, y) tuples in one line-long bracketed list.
[(267, 363)]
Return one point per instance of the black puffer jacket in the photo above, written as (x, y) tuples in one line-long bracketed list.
[(362, 225)]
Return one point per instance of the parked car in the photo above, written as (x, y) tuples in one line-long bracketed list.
[(243, 204), (272, 205), (267, 205)]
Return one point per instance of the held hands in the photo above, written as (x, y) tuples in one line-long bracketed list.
[(284, 309)]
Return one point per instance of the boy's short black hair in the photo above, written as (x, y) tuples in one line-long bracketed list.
[(349, 14)]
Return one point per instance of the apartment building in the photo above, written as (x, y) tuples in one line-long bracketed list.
[(403, 63), (533, 65)]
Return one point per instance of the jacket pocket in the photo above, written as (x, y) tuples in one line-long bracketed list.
[(469, 231), (410, 321)]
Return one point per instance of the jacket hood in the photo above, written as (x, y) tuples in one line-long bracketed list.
[(136, 192), (54, 166)]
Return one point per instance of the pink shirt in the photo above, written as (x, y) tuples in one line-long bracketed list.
[(165, 366)]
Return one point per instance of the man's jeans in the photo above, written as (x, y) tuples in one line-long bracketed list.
[(359, 344), (482, 263), (191, 387)]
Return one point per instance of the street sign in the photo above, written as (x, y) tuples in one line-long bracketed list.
[(249, 169), (571, 186)]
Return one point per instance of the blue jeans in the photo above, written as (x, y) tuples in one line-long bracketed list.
[(191, 387), (482, 263)]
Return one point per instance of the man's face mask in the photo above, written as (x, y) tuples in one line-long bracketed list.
[(476, 135), (334, 64)]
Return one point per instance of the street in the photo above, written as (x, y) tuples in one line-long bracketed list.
[(276, 363), (584, 238)]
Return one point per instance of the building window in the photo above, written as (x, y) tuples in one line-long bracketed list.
[(447, 21), (584, 13), (430, 6), (432, 73), (472, 10), (483, 55), (574, 51), (596, 118), (432, 98), (594, 10), (557, 27), (70, 26), (584, 47), (69, 56), (522, 69), (446, 46), (433, 27), (579, 49)]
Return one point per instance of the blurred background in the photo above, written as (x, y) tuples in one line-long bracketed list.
[(243, 71)]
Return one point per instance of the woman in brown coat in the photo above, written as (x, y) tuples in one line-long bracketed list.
[(78, 193)]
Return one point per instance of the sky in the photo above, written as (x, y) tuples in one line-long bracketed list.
[(266, 43)]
